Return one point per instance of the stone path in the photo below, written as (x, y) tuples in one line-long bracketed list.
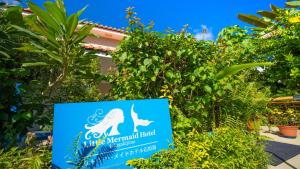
[(292, 163)]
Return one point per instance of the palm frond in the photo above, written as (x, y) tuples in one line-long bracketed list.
[(236, 68), (104, 152)]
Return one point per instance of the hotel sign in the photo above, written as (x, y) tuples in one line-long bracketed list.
[(107, 134)]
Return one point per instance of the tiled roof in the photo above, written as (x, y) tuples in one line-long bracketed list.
[(104, 27), (98, 47), (27, 10)]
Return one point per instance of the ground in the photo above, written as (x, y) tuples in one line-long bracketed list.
[(287, 150)]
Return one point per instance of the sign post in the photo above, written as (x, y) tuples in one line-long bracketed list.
[(107, 134)]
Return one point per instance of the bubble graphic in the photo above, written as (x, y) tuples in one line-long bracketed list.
[(96, 117)]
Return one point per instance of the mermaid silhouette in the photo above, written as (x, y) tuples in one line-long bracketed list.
[(138, 122), (111, 120)]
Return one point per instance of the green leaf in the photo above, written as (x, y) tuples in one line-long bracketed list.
[(29, 48), (123, 57), (22, 116), (143, 68), (33, 64), (14, 15), (82, 33), (267, 14), (4, 54), (169, 53), (229, 86), (294, 4), (180, 52), (44, 16), (49, 53), (219, 93), (147, 62), (156, 58), (274, 8), (81, 11), (72, 24), (53, 42), (60, 5), (257, 29), (43, 31), (253, 20), (153, 78), (58, 15), (236, 68), (192, 78), (26, 31), (207, 89), (170, 74)]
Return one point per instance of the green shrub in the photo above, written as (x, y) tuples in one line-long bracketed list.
[(279, 42), (187, 71), (235, 148), (247, 101), (227, 147), (24, 158)]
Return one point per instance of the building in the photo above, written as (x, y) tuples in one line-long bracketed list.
[(105, 41)]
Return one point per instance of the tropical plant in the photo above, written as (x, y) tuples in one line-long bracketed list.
[(29, 157), (288, 117), (293, 4), (279, 42), (249, 101), (57, 37), (236, 68), (89, 156), (221, 149), (12, 117), (267, 17), (59, 69), (42, 62), (189, 72)]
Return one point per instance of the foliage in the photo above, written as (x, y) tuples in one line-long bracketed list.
[(189, 72), (152, 66), (287, 116), (13, 117), (177, 158), (236, 68), (279, 42), (244, 151), (90, 156), (202, 94), (254, 20), (43, 63), (54, 35), (220, 149), (293, 3), (205, 81), (23, 158), (249, 100), (267, 18)]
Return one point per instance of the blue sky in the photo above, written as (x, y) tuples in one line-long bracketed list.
[(174, 14)]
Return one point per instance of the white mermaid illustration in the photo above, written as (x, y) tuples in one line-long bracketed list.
[(111, 120), (138, 122)]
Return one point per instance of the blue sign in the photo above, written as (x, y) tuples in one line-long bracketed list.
[(107, 134)]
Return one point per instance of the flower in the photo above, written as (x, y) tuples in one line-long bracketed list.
[(288, 116), (294, 19)]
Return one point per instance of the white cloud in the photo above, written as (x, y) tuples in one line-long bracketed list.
[(205, 34), (11, 2)]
